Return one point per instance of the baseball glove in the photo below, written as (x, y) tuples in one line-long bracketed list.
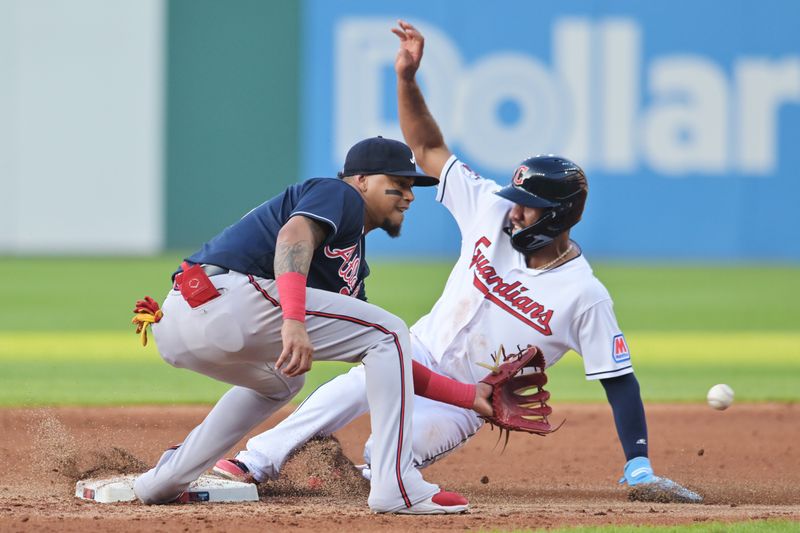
[(518, 400)]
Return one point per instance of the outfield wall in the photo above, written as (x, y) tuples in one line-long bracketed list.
[(132, 126), (232, 105), (684, 114), (135, 126), (81, 126)]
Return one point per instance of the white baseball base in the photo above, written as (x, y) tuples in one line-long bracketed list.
[(206, 489)]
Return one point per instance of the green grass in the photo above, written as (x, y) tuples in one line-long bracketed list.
[(683, 366), (112, 368), (704, 298), (105, 368), (750, 526), (65, 334), (91, 294), (78, 294)]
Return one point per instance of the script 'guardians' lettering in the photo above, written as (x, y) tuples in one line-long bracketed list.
[(508, 296)]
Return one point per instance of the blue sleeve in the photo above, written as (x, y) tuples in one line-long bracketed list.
[(626, 403), (329, 202)]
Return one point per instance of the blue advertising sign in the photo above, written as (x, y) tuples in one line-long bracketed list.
[(685, 115)]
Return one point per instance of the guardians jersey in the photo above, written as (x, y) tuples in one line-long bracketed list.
[(493, 298)]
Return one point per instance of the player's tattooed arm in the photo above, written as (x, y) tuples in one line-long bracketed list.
[(420, 130), (295, 245), (294, 248)]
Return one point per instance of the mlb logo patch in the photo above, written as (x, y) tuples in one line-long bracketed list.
[(619, 349)]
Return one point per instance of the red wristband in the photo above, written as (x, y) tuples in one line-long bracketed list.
[(437, 387), (292, 294)]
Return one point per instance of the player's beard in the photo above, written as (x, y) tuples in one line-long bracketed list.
[(391, 229)]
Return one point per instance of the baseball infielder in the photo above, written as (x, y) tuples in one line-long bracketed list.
[(519, 280), (286, 280)]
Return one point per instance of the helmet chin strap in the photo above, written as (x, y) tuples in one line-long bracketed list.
[(532, 238), (526, 241)]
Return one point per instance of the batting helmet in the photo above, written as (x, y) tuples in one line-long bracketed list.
[(546, 181)]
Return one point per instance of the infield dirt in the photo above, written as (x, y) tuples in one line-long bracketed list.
[(746, 461)]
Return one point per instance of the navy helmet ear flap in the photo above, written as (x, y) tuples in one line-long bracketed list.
[(537, 235), (554, 184)]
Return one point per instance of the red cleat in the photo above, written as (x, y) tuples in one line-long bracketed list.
[(442, 502), (234, 470)]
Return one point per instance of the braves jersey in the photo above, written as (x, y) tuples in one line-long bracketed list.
[(492, 297), (248, 246)]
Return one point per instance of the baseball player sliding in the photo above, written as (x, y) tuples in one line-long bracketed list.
[(519, 280), (285, 282)]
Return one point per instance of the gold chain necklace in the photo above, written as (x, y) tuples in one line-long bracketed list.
[(557, 259)]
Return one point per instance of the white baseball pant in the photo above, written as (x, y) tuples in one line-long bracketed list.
[(236, 338), (438, 428)]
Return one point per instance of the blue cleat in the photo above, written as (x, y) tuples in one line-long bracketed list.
[(647, 487)]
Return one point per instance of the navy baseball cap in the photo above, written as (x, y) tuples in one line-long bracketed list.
[(377, 155)]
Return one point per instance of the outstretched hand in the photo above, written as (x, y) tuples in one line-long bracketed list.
[(409, 55)]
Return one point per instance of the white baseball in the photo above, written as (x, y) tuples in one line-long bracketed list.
[(720, 397)]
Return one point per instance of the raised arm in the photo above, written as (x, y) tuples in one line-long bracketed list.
[(294, 248), (420, 130)]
